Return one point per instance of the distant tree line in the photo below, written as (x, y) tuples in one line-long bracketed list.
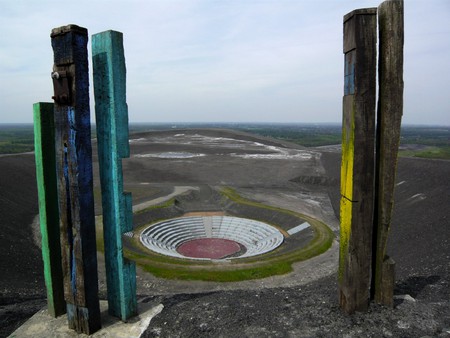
[(18, 138)]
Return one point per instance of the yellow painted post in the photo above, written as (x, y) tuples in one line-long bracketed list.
[(357, 168)]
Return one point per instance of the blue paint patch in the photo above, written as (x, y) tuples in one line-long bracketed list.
[(73, 273), (349, 72)]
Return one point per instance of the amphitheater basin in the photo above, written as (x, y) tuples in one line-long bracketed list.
[(211, 237)]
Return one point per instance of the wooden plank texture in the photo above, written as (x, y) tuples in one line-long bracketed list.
[(112, 136), (358, 145), (44, 145), (74, 173), (390, 111)]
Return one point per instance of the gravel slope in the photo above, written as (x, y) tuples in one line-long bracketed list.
[(418, 244)]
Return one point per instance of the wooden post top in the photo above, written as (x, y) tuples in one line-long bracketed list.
[(354, 32), (69, 28), (362, 11)]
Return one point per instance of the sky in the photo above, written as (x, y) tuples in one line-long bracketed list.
[(223, 61)]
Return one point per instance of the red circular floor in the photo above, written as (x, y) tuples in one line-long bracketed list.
[(213, 248)]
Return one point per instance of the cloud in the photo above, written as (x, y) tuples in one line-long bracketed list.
[(258, 60)]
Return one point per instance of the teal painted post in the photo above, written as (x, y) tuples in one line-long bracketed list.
[(75, 180), (111, 113), (44, 145)]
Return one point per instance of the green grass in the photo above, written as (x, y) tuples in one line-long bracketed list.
[(269, 264), (163, 205), (221, 276), (304, 135), (436, 139), (432, 152), (16, 138)]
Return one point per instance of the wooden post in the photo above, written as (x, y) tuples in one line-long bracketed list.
[(112, 136), (44, 145), (390, 110), (357, 168), (74, 173)]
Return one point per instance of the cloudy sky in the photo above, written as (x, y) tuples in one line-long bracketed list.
[(228, 60)]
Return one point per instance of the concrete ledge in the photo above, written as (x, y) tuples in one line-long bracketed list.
[(42, 325), (298, 228)]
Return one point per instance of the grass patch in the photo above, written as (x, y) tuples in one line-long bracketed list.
[(431, 152), (435, 152), (221, 276), (16, 138), (162, 205)]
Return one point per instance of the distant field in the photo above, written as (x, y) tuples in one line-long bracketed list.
[(425, 142), (416, 141), (16, 138)]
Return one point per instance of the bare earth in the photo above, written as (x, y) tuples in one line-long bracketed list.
[(301, 304)]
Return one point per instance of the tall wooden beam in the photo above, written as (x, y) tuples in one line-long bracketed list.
[(111, 113), (74, 173), (44, 146), (390, 111), (357, 168)]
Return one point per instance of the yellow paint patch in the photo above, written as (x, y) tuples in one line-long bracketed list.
[(346, 206)]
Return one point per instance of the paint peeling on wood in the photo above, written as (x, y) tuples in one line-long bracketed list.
[(112, 136), (75, 181), (44, 136), (358, 134)]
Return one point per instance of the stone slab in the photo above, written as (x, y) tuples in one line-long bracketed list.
[(42, 325)]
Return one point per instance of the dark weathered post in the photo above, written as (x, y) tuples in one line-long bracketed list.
[(357, 168), (112, 137), (44, 146), (390, 110), (74, 173)]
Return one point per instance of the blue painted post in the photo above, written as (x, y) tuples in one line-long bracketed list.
[(74, 174), (44, 145), (112, 137)]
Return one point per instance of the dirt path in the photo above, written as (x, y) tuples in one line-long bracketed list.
[(177, 190)]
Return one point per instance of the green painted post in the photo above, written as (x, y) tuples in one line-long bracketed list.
[(112, 137), (357, 168), (75, 179), (390, 111), (44, 145)]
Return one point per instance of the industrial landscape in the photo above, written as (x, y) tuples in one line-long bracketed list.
[(175, 172), (244, 196)]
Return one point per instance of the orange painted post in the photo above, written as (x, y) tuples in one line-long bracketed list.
[(357, 168)]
